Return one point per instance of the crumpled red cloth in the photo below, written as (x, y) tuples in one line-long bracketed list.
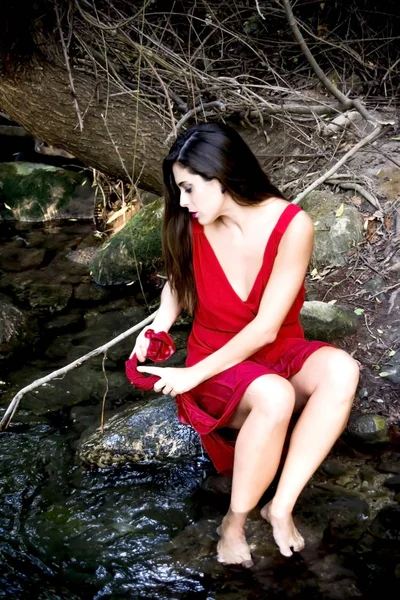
[(160, 348)]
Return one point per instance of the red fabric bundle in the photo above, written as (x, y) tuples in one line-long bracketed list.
[(160, 348)]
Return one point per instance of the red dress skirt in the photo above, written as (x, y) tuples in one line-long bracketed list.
[(219, 316)]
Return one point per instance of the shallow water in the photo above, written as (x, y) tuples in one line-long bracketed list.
[(67, 532)]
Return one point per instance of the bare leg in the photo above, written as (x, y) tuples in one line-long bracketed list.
[(266, 409), (330, 376)]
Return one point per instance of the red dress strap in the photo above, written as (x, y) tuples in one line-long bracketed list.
[(286, 217)]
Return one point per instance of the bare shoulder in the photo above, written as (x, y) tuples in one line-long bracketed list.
[(299, 236), (302, 223)]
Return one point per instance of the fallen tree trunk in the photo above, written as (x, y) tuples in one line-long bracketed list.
[(39, 99)]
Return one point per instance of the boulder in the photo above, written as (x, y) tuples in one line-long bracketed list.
[(327, 322), (334, 235), (134, 249), (37, 192), (147, 433)]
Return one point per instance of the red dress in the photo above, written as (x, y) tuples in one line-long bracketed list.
[(219, 316)]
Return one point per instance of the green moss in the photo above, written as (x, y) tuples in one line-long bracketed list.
[(32, 191)]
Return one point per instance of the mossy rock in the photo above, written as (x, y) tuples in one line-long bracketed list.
[(36, 192), (325, 322), (334, 235), (133, 250)]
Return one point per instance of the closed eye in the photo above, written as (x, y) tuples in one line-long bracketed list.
[(188, 190)]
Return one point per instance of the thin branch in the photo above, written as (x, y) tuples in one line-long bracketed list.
[(341, 162), (350, 185), (190, 113), (68, 67), (11, 410), (347, 102)]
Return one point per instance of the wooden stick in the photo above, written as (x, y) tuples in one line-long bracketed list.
[(11, 410)]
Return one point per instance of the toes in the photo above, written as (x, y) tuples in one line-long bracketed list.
[(298, 545), (247, 564)]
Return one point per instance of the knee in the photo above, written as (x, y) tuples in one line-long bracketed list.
[(343, 370), (274, 399)]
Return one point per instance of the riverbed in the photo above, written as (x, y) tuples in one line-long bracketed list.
[(148, 532)]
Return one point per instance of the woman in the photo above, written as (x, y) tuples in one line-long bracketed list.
[(236, 255)]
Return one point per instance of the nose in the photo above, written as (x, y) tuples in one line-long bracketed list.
[(184, 200)]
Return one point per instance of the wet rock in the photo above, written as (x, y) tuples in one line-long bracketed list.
[(133, 250), (40, 192), (391, 370), (386, 525), (333, 468), (334, 235), (149, 432), (20, 259), (90, 293), (326, 322), (82, 256), (390, 464), (14, 330), (393, 483), (336, 512), (370, 429)]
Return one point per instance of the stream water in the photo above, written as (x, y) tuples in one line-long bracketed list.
[(69, 532)]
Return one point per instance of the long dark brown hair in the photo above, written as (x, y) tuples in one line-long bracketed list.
[(214, 151)]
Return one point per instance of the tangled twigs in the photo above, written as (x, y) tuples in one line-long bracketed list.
[(11, 410), (214, 104), (341, 162), (347, 102)]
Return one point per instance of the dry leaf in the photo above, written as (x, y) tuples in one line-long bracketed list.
[(340, 210), (356, 200), (388, 221)]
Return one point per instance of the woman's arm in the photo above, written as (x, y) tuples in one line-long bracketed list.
[(169, 310), (287, 277)]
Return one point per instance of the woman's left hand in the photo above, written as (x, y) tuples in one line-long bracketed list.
[(173, 381)]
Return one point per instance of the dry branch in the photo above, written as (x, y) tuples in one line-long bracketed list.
[(11, 410), (337, 166)]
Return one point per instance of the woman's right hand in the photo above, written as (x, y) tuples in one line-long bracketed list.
[(141, 345)]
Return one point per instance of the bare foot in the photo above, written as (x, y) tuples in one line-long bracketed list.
[(284, 531), (232, 548)]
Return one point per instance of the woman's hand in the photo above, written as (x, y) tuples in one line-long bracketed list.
[(141, 345), (173, 381)]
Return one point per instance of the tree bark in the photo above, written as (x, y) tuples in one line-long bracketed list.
[(39, 98)]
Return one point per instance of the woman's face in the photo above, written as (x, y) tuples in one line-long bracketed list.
[(203, 199)]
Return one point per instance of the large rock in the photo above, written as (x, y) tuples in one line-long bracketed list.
[(12, 328), (38, 192), (334, 235), (147, 433), (327, 322), (134, 249)]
